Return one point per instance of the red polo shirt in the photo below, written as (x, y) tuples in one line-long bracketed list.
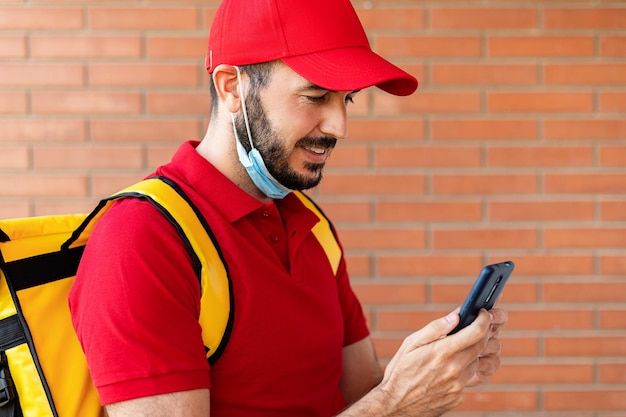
[(135, 303)]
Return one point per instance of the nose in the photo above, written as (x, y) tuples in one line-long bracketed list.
[(335, 117)]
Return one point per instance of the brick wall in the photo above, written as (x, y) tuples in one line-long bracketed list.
[(513, 148)]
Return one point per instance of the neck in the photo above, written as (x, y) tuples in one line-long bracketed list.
[(219, 148)]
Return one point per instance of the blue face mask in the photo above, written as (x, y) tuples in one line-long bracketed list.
[(253, 161)]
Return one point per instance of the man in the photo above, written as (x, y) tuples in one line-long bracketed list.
[(282, 75)]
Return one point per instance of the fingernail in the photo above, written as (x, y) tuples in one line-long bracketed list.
[(451, 318)]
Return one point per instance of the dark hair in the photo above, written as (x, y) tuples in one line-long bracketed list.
[(259, 75)]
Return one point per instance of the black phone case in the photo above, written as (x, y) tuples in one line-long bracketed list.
[(485, 291)]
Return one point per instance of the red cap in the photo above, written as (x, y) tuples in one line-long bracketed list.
[(322, 40)]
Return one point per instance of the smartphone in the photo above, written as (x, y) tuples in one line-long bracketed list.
[(486, 290)]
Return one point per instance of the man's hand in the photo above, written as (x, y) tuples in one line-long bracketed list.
[(489, 358), (428, 374)]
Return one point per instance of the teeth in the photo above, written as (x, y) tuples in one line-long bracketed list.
[(316, 150)]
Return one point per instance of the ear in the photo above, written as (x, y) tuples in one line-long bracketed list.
[(227, 87)]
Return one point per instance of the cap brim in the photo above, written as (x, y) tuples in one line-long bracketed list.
[(352, 68)]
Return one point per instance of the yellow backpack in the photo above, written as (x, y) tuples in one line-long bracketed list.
[(43, 372)]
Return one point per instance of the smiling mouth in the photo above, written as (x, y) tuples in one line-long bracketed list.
[(316, 150)]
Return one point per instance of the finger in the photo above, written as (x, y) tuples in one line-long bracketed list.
[(434, 330), (499, 316), (493, 347)]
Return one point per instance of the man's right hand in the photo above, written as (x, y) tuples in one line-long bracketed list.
[(428, 374)]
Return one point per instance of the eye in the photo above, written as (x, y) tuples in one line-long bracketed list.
[(317, 99), (350, 96)]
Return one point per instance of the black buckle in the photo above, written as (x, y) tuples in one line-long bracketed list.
[(6, 384)]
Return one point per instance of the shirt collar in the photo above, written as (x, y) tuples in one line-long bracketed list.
[(232, 202)]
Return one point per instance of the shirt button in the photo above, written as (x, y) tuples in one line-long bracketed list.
[(265, 214), (274, 237)]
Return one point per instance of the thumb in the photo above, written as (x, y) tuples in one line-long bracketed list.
[(435, 330)]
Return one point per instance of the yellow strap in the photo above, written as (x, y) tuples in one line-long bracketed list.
[(324, 233), (216, 301)]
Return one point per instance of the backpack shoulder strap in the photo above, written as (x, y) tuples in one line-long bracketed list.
[(201, 244), (324, 232)]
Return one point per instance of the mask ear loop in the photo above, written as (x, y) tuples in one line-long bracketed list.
[(243, 108)]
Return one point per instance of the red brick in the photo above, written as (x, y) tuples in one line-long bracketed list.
[(360, 265), (10, 210), (484, 184), (381, 18), (12, 47), (428, 46), (523, 347), (584, 292), (483, 18), (613, 46), (533, 211), (520, 400), (120, 130), (389, 293), (406, 320), (42, 185), (346, 211), (404, 238), (612, 101), (13, 102), (85, 46), (385, 129), (29, 18), (540, 102), (585, 238), (585, 129), (430, 102), (160, 154), (349, 157), (177, 47), (143, 18), (612, 156), (14, 158), (113, 74), (543, 373), (39, 130), (178, 102), (37, 74), (94, 157), (483, 129), (484, 239), (612, 373), (427, 156), (599, 73), (490, 74), (85, 102), (552, 264), (396, 265), (578, 399), (541, 46), (613, 210), (585, 183), (428, 211), (585, 18), (544, 156), (527, 319), (369, 184), (613, 320), (453, 293), (64, 206), (613, 265), (105, 185)]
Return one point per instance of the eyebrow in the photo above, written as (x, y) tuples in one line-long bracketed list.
[(312, 86)]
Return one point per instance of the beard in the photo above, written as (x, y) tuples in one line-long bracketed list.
[(272, 148)]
